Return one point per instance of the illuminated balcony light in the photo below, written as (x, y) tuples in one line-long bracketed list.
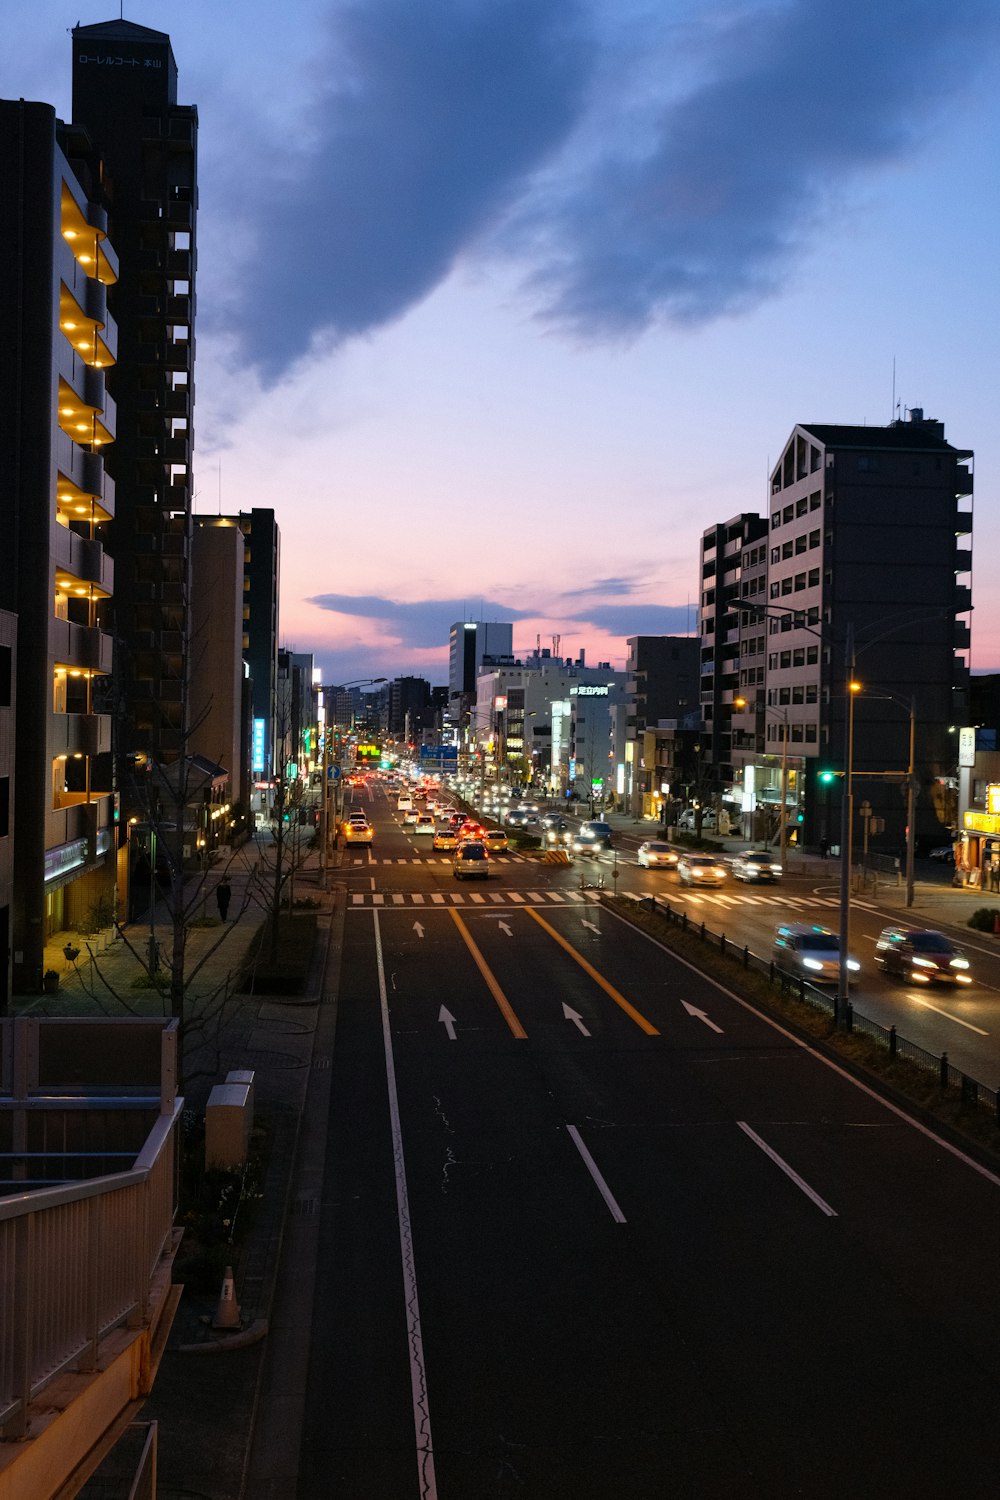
[(69, 234), (67, 325)]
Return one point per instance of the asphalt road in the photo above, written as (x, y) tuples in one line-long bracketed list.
[(593, 1228)]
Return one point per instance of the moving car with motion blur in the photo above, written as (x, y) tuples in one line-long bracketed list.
[(592, 836), (700, 869), (757, 865), (921, 956), (809, 951), (654, 854)]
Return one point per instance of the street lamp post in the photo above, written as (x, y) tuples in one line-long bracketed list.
[(846, 838)]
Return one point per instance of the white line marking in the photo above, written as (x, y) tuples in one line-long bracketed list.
[(427, 1478), (356, 900), (919, 1000), (458, 899), (417, 899), (397, 900), (436, 898), (478, 898), (378, 900), (793, 1176), (592, 1168), (517, 898)]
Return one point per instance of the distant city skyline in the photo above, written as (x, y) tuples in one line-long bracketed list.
[(627, 248)]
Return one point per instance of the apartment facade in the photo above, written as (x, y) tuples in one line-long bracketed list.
[(125, 94), (57, 268), (664, 683), (727, 638)]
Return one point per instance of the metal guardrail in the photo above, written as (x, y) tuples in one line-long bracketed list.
[(974, 1093), (76, 1261)]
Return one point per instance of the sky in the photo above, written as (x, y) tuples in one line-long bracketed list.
[(502, 303)]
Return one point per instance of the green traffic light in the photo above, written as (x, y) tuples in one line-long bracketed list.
[(827, 776)]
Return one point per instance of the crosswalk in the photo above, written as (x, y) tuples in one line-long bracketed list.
[(367, 899), (416, 859)]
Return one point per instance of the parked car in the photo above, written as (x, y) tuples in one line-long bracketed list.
[(471, 861), (654, 854), (921, 956), (689, 819), (700, 869), (811, 952), (756, 865)]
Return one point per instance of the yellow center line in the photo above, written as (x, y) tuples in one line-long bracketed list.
[(588, 968), (506, 1009)]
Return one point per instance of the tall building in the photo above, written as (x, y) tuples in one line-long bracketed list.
[(663, 683), (869, 559), (409, 698), (468, 643), (726, 638), (125, 94), (219, 691), (8, 648), (57, 268)]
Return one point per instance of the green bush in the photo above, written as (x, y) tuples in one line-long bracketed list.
[(985, 919)]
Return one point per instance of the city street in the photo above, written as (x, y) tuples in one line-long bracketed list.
[(590, 1226)]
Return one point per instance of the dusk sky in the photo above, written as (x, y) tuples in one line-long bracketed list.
[(502, 302)]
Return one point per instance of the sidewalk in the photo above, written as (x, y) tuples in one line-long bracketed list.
[(206, 1403)]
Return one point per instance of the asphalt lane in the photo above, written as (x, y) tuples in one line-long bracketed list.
[(694, 1262)]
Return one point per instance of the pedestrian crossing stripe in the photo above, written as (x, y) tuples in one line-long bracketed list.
[(369, 899), (497, 859)]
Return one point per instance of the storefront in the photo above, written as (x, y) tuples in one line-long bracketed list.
[(977, 853)]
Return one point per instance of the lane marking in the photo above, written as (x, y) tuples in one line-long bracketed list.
[(427, 1478), (599, 1181), (588, 968), (919, 1000), (504, 1005), (437, 898), (789, 1172)]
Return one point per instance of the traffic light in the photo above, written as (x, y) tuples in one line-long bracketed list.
[(827, 776)]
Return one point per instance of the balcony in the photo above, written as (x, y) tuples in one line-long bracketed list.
[(963, 480), (963, 560), (961, 638), (81, 734), (83, 646), (963, 600)]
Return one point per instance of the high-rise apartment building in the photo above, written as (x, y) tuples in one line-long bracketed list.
[(870, 558), (57, 268), (727, 550), (125, 94)]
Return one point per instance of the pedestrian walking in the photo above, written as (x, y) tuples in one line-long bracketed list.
[(824, 848), (223, 895), (995, 874)]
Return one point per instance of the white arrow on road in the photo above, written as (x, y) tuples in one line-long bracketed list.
[(502, 927), (592, 927), (418, 929), (448, 1019), (576, 1018), (692, 1010)]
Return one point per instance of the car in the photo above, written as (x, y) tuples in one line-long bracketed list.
[(445, 838), (516, 817), (424, 824), (410, 816), (471, 860), (554, 820), (700, 869), (756, 865), (655, 854), (944, 852), (559, 831), (810, 951), (495, 840), (470, 829), (592, 836), (689, 819), (456, 819), (404, 802), (921, 955), (357, 832)]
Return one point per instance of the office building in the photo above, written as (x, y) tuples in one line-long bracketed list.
[(8, 649), (469, 642), (56, 424), (663, 684), (125, 94), (219, 690)]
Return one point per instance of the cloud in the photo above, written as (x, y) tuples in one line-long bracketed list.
[(641, 619), (454, 127), (604, 586), (738, 174), (423, 624), (436, 113)]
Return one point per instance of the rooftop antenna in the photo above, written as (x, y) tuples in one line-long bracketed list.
[(893, 415)]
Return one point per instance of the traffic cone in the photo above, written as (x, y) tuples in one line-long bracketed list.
[(227, 1314)]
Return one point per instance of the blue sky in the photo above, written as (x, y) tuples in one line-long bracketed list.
[(502, 302)]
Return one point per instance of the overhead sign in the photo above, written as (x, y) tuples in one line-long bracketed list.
[(259, 746), (977, 822)]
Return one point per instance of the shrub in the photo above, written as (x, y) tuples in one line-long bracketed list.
[(985, 919)]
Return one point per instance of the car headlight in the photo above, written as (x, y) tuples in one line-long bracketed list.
[(751, 870), (959, 963), (854, 966), (812, 963), (923, 963)]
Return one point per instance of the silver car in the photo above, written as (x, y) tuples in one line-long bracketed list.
[(810, 952)]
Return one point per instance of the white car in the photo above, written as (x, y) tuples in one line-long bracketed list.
[(424, 824), (656, 855), (700, 869)]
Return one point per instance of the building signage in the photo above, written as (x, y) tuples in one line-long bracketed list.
[(589, 692), (967, 746), (500, 703), (259, 744), (993, 798), (982, 822)]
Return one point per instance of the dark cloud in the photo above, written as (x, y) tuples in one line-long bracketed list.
[(641, 619), (739, 173), (423, 624), (613, 586), (445, 120), (436, 113)]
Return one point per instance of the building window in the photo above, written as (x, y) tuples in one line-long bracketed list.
[(799, 657), (815, 500), (802, 506), (786, 586), (786, 658), (810, 734), (814, 538), (812, 655), (812, 692), (801, 543)]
